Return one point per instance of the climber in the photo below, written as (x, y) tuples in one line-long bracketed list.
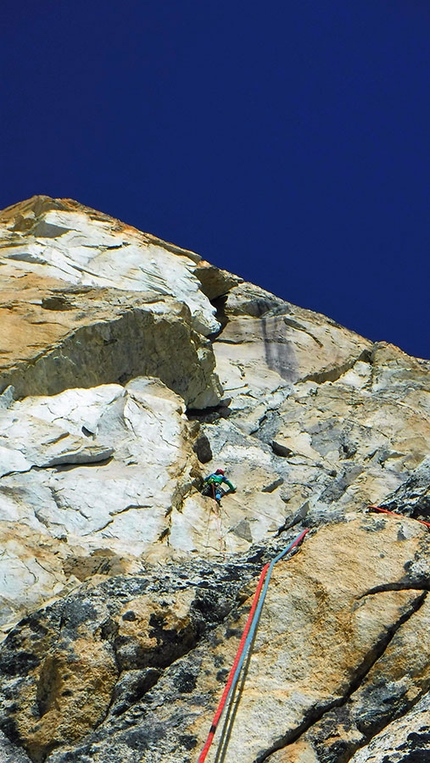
[(213, 485)]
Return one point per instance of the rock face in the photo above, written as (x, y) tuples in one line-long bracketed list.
[(129, 369), (87, 300)]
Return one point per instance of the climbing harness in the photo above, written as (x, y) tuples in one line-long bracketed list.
[(396, 514), (246, 640)]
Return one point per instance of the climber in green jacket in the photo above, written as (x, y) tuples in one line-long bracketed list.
[(213, 485)]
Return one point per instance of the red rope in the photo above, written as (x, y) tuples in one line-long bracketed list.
[(243, 641), (396, 514), (226, 691)]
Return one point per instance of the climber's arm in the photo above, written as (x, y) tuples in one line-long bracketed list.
[(230, 485)]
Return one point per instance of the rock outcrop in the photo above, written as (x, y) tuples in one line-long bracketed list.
[(129, 369)]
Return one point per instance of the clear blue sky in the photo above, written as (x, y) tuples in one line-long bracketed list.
[(286, 140)]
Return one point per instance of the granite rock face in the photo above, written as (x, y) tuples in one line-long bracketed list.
[(129, 369), (86, 299)]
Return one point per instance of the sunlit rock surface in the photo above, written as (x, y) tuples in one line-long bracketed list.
[(86, 299), (129, 370)]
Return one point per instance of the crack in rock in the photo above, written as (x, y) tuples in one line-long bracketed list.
[(316, 716)]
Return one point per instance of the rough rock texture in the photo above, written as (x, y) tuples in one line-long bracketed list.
[(406, 740), (86, 299), (129, 369)]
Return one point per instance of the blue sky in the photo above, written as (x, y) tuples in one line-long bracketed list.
[(286, 141)]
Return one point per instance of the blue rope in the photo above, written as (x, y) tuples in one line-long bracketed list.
[(257, 614)]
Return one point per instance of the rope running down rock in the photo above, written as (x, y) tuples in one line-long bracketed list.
[(396, 514), (246, 640)]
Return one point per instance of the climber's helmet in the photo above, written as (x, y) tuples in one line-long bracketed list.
[(220, 471)]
